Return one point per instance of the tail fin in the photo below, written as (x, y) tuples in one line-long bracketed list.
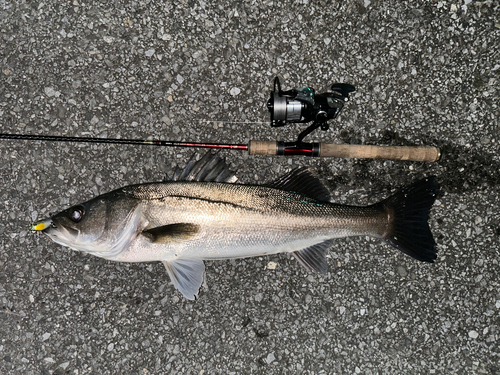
[(408, 228)]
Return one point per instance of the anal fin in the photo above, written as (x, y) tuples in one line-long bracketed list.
[(314, 257), (187, 275)]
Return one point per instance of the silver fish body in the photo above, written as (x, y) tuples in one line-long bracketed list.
[(236, 221), (182, 223)]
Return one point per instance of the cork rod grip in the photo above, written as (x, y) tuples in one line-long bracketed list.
[(413, 153), (263, 148)]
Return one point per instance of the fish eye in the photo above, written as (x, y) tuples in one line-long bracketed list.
[(76, 214)]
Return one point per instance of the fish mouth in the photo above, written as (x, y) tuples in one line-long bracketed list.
[(57, 233), (49, 228)]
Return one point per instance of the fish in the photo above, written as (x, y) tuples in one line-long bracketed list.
[(204, 213)]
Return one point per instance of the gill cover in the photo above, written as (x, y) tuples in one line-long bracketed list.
[(103, 226)]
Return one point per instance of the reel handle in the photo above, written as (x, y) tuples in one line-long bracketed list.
[(412, 153)]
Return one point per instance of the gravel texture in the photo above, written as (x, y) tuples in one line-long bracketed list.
[(426, 72)]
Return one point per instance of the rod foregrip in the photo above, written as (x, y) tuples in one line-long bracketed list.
[(263, 148), (413, 153)]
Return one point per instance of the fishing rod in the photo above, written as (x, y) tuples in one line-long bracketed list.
[(292, 106)]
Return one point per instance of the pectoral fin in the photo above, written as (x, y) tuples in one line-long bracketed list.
[(187, 275), (171, 233), (314, 257)]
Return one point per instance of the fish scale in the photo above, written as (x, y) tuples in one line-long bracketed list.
[(246, 211)]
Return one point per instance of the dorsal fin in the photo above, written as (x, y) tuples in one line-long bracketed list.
[(303, 181), (210, 168)]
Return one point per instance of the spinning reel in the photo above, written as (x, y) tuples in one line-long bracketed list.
[(304, 105)]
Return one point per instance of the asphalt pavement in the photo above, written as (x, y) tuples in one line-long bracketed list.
[(426, 73)]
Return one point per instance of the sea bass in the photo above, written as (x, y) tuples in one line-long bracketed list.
[(203, 214)]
